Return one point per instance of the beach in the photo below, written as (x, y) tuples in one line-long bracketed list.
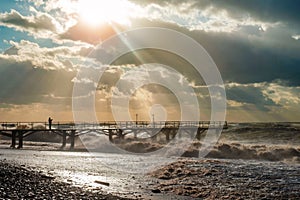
[(185, 179), (18, 182), (151, 100), (250, 161)]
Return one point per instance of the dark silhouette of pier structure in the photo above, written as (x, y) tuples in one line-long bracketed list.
[(168, 129)]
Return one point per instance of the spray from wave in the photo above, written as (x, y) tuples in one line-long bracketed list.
[(249, 141), (255, 152), (222, 150)]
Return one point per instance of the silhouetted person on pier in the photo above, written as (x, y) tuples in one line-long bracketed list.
[(50, 122)]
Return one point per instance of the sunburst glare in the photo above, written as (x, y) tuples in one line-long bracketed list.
[(96, 12)]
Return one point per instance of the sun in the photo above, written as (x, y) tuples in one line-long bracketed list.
[(96, 12)]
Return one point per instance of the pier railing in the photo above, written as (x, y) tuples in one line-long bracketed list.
[(20, 130), (110, 125)]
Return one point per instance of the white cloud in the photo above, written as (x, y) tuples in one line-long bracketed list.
[(62, 57), (262, 94), (43, 21), (253, 102), (296, 37), (232, 103), (184, 14), (38, 24), (285, 96), (206, 19)]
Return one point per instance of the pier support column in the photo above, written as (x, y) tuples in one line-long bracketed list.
[(167, 135), (64, 139), (198, 136), (120, 134), (72, 138), (110, 135), (13, 139), (20, 134), (174, 132), (199, 133)]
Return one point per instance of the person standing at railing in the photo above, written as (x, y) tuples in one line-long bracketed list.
[(50, 122)]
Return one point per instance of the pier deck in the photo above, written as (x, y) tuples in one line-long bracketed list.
[(112, 129)]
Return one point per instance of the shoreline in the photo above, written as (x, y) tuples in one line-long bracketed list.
[(222, 150)]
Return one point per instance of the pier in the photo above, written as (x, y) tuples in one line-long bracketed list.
[(17, 131)]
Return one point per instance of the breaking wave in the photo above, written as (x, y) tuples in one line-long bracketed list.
[(222, 150), (260, 141), (256, 152)]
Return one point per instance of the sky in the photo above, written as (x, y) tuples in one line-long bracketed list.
[(255, 45)]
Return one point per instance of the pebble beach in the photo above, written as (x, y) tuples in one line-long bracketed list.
[(17, 182)]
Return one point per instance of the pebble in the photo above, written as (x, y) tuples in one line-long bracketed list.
[(19, 183), (156, 191)]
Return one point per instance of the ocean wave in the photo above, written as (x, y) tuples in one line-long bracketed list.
[(255, 152), (263, 133), (222, 150)]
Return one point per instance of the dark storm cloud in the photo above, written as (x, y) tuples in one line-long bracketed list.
[(20, 83), (239, 59), (266, 10), (249, 94), (243, 62)]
